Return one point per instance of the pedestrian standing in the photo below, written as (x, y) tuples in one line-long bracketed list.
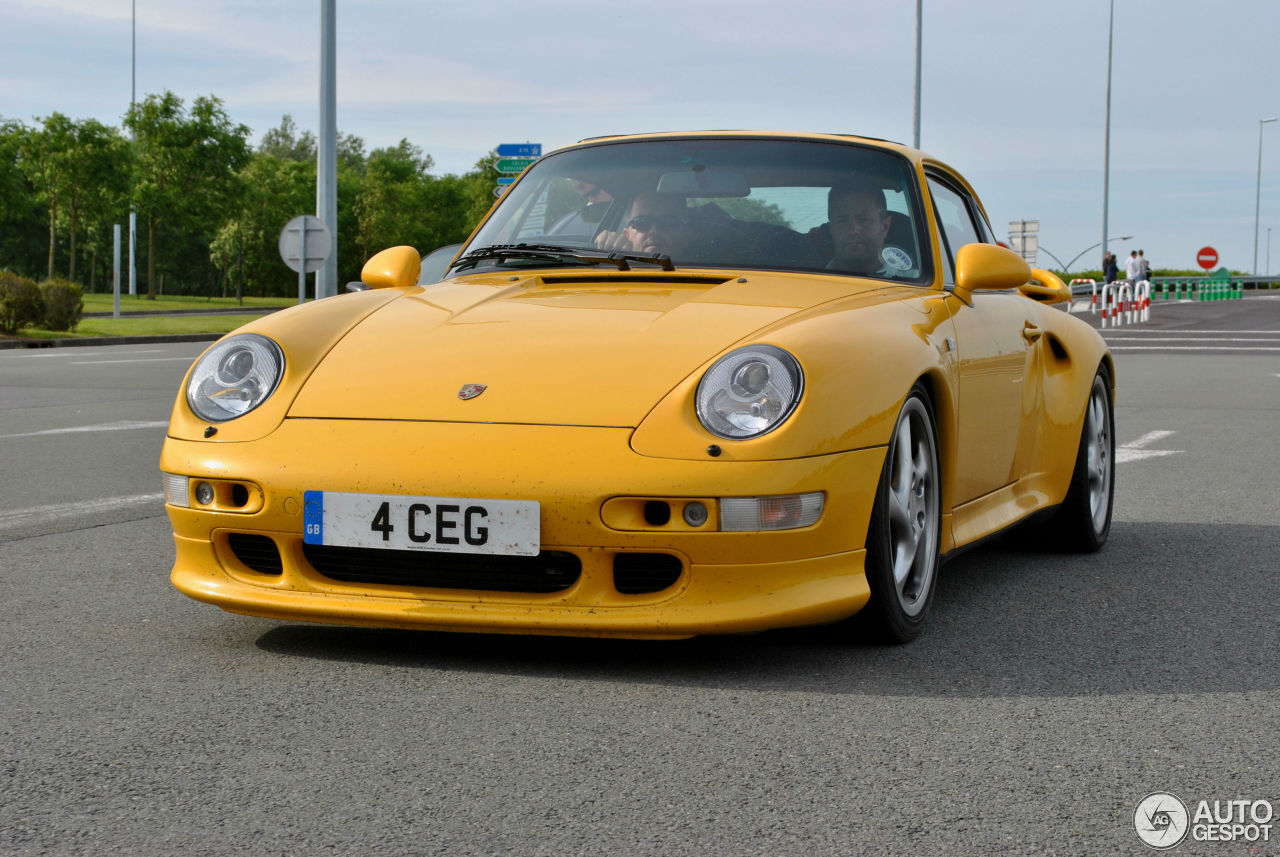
[(1110, 270), (1144, 267), (1132, 267)]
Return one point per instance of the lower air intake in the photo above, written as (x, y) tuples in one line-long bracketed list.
[(257, 552), (549, 571), (641, 573)]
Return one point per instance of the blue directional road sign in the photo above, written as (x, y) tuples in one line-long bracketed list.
[(520, 150)]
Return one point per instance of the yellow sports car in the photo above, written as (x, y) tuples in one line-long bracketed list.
[(674, 384)]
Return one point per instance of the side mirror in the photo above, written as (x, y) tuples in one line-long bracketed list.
[(1046, 288), (393, 268), (988, 266)]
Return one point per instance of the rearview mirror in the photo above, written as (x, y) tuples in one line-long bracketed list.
[(703, 182), (393, 268), (988, 266)]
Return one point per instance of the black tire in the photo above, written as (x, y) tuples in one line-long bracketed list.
[(905, 531), (1083, 520)]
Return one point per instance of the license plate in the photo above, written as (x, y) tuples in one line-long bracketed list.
[(397, 522)]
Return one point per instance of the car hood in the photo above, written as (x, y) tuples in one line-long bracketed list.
[(581, 349)]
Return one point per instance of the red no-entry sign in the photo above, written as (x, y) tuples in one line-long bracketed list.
[(1207, 257)]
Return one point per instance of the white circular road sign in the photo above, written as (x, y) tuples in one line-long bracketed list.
[(305, 242)]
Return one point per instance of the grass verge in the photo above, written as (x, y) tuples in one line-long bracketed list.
[(142, 326), (139, 303)]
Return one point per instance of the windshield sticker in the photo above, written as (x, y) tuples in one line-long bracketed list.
[(895, 258)]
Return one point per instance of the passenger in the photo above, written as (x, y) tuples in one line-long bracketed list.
[(593, 194), (583, 220), (859, 222)]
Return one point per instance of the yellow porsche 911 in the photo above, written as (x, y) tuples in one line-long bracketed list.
[(674, 384)]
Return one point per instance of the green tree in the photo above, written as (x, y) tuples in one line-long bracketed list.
[(246, 248), (389, 206), (108, 202), (22, 223), (286, 144), (351, 173), (95, 163), (44, 160), (479, 190), (185, 163)]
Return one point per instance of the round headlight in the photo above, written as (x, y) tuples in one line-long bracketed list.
[(749, 392), (234, 377)]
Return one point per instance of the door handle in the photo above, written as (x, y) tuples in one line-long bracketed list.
[(1030, 332)]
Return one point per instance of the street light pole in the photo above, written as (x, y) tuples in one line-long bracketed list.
[(1106, 147), (326, 282), (915, 128), (133, 138), (1257, 199)]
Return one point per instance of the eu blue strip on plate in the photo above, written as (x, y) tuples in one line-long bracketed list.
[(313, 517)]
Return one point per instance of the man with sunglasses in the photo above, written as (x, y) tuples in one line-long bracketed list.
[(655, 223)]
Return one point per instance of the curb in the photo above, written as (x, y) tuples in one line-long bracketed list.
[(8, 344)]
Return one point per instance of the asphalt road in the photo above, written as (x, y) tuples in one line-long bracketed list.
[(1048, 697)]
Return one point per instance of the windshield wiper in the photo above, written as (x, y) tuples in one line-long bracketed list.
[(555, 253)]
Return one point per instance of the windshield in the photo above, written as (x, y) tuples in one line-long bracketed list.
[(721, 202)]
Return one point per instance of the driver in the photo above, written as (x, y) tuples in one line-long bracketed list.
[(655, 223), (859, 223)]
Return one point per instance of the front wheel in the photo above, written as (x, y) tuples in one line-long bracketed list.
[(1084, 519), (906, 522)]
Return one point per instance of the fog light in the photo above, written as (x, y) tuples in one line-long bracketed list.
[(695, 514), (657, 513), (176, 490), (204, 493), (787, 512)]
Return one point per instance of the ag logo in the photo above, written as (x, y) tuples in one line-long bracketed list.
[(1161, 820), (895, 258), (470, 391)]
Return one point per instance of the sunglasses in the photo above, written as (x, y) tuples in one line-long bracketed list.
[(646, 222)]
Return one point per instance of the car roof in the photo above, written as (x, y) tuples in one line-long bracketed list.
[(762, 135)]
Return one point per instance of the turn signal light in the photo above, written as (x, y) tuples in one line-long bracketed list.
[(785, 512)]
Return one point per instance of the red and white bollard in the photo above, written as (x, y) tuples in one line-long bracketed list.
[(1144, 300), (1093, 299)]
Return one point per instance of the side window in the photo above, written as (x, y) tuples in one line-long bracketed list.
[(955, 222), (988, 237)]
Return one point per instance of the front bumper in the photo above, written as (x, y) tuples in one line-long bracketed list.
[(727, 582)]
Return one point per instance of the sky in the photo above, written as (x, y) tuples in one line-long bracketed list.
[(1013, 92)]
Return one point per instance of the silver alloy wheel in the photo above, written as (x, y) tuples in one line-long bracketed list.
[(913, 507), (1098, 454)]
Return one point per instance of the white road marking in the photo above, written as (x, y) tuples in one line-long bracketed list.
[(47, 514), (124, 425), (1137, 450), (1123, 455), (1275, 338), (28, 353), (1149, 331), (1149, 438), (139, 360), (1194, 348)]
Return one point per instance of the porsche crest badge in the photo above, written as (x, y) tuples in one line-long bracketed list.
[(470, 391)]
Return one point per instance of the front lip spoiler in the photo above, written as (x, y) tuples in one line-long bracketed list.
[(713, 601)]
